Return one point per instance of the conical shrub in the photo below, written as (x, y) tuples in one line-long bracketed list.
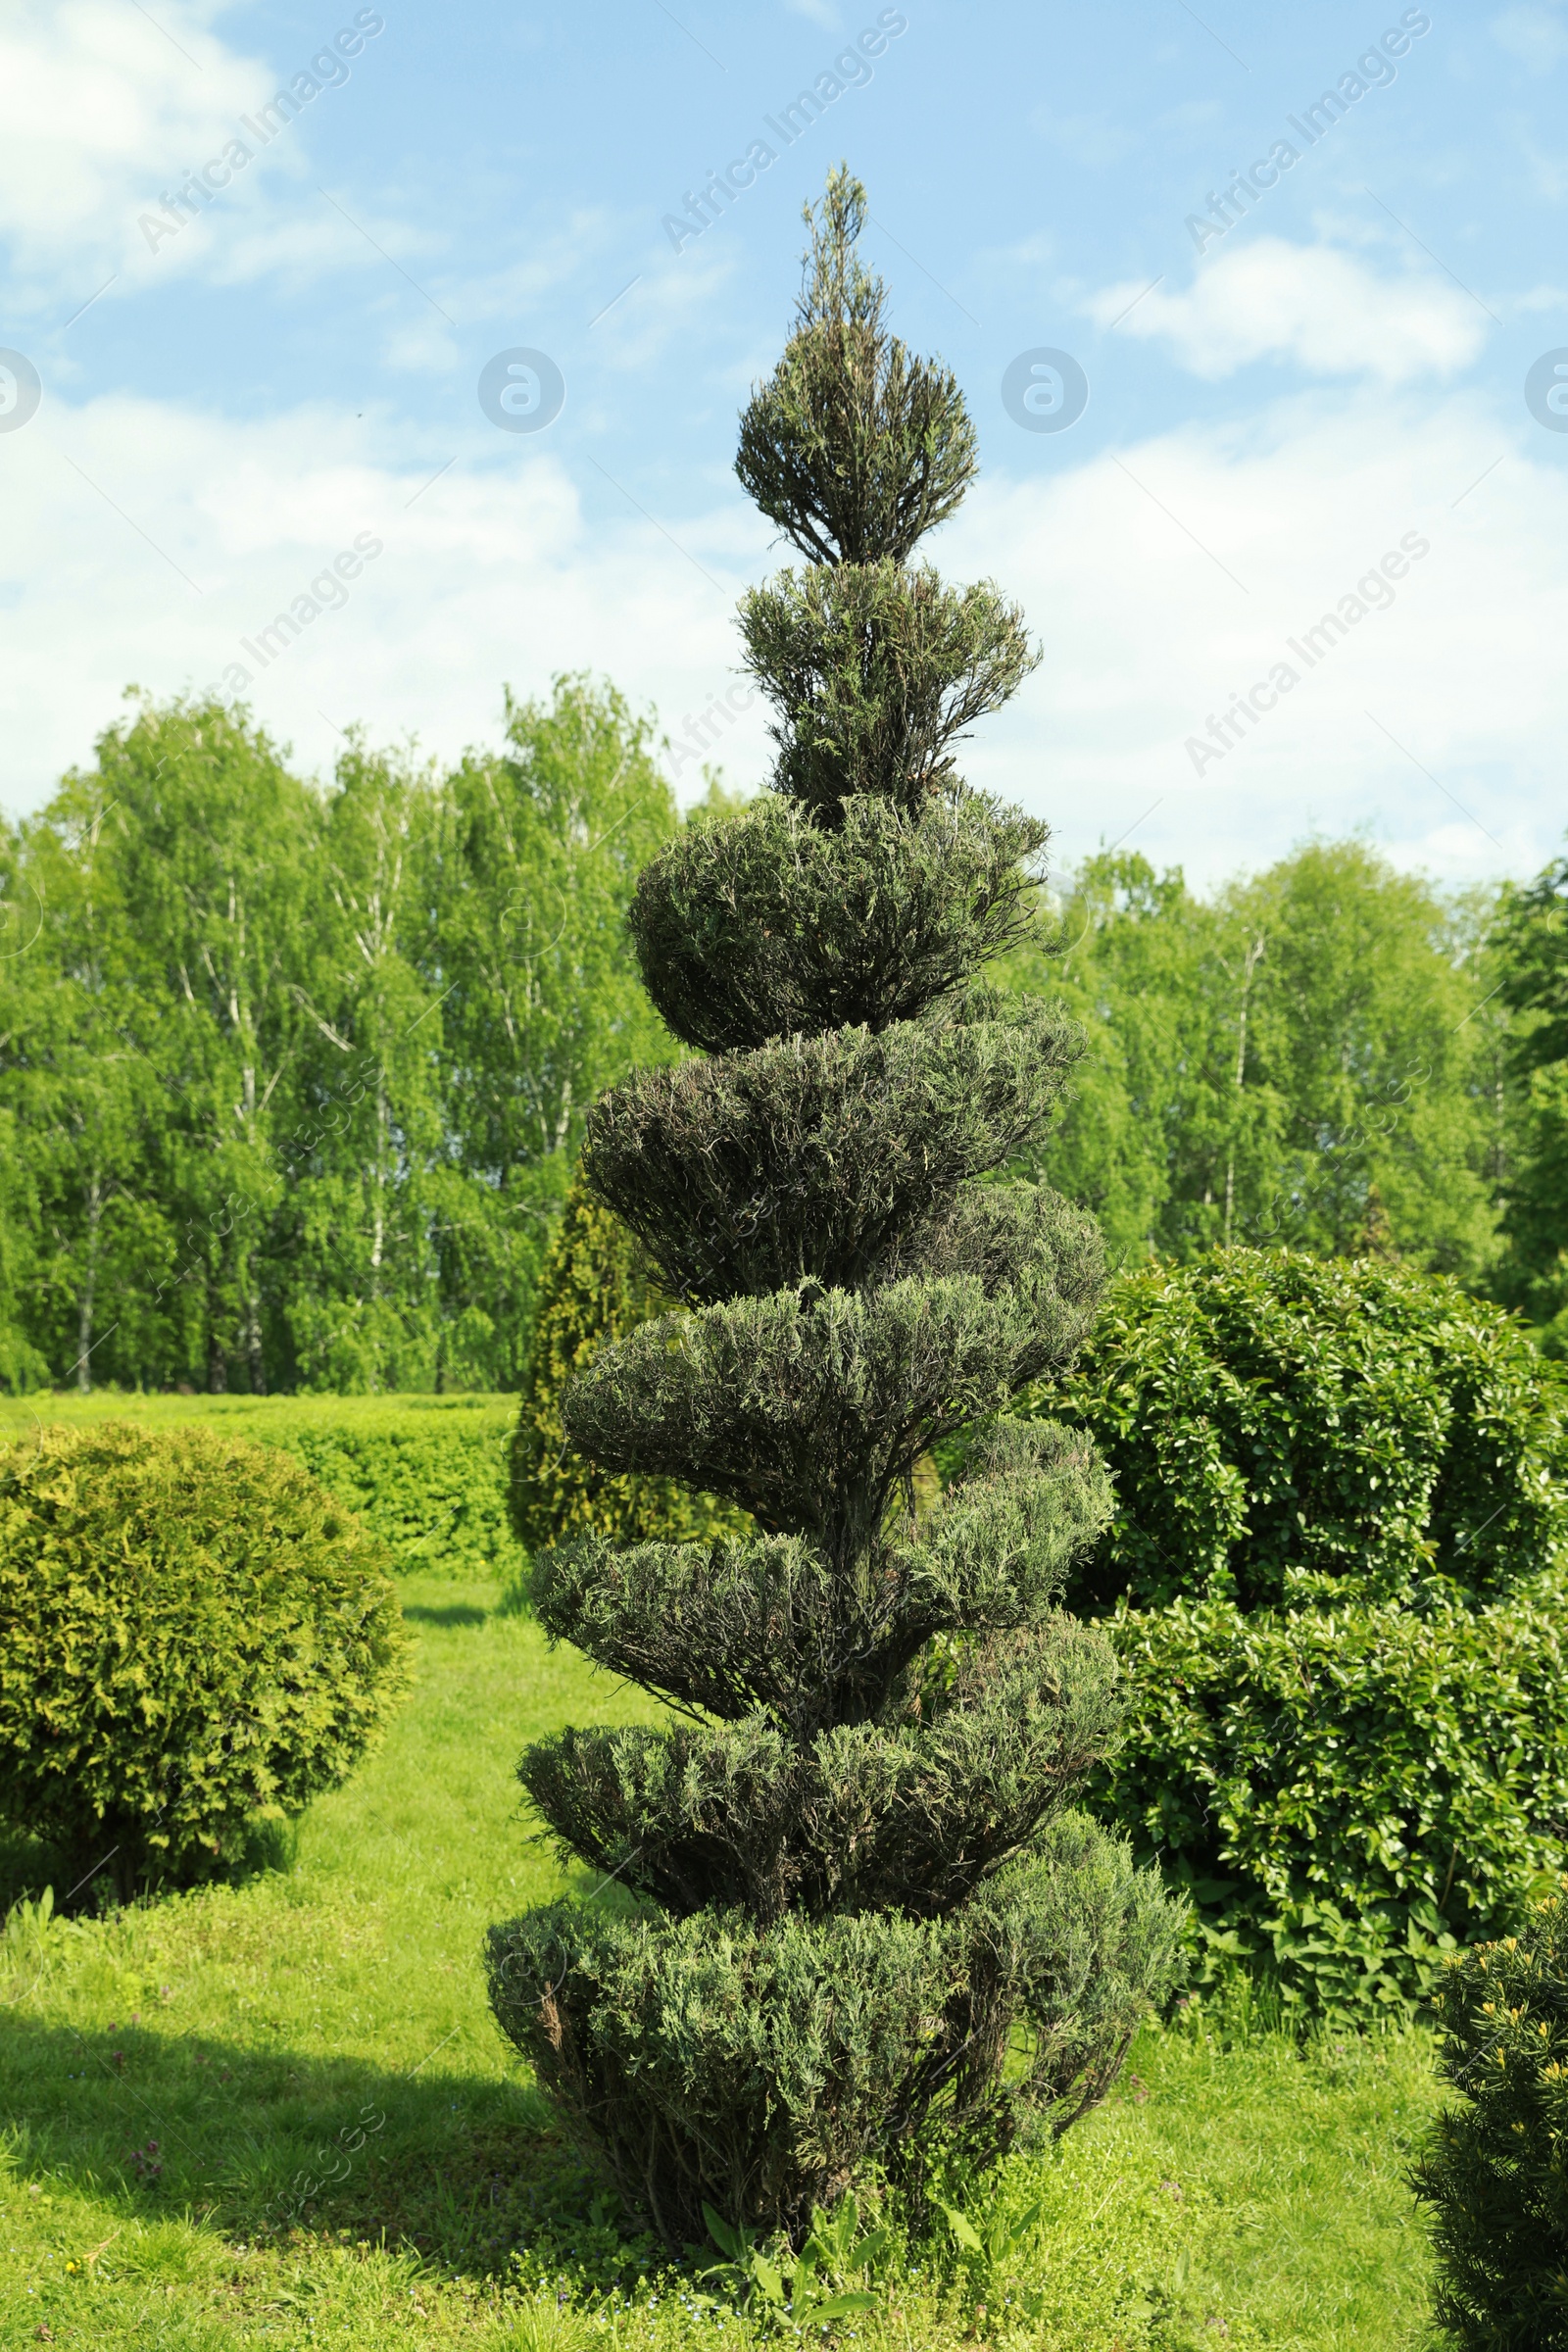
[(594, 1289), (854, 1867)]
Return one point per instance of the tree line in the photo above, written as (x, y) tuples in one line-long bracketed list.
[(1329, 1054), (292, 1081)]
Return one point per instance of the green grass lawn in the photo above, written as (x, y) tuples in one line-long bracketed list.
[(277, 2112)]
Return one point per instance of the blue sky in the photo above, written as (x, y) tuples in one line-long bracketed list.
[(1283, 393)]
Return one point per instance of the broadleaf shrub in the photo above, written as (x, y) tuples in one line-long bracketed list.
[(1493, 2172), (1334, 1576), (192, 1637), (1265, 1412), (1345, 1791)]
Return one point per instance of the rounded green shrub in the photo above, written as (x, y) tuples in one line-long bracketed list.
[(1493, 2170), (192, 1637), (1264, 1412), (1345, 1791)]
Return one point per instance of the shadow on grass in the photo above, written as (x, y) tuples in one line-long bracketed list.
[(448, 1613), (83, 1886), (257, 2144)]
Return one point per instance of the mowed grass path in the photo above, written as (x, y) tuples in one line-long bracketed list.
[(347, 2154)]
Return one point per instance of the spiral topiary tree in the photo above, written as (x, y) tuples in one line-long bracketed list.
[(853, 1865)]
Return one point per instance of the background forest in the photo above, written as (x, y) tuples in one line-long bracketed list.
[(292, 1081)]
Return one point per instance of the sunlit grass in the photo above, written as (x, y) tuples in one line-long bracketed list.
[(278, 2113)]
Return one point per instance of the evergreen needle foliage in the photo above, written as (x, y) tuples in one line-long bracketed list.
[(595, 1288), (194, 1636), (1493, 2170), (865, 1916)]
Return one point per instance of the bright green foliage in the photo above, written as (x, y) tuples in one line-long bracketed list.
[(595, 1288), (1531, 950), (1345, 1791), (192, 1637), (1310, 1056), (856, 1869), (804, 2291), (425, 1475), (290, 1082), (1493, 2169), (1269, 1414), (354, 1271), (1335, 1561)]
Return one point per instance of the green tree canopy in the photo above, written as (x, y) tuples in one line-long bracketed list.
[(293, 1080), (1310, 1056), (1531, 952)]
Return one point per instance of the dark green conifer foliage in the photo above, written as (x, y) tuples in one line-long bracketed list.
[(853, 1865)]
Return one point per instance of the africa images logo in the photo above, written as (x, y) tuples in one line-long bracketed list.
[(849, 70)]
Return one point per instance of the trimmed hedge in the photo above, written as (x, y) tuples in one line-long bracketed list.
[(1347, 1791), (1493, 2170), (426, 1474), (192, 1637)]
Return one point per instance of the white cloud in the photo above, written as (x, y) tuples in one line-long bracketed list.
[(103, 112), (146, 540), (1326, 311), (520, 561), (1146, 636)]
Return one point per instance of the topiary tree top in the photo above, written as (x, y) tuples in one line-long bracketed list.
[(852, 1865)]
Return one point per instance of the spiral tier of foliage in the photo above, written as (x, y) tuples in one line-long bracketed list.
[(857, 1881)]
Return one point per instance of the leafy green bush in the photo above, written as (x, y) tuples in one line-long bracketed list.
[(428, 1475), (1264, 1412), (1345, 1791), (1493, 2169), (192, 1635), (1336, 1571)]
